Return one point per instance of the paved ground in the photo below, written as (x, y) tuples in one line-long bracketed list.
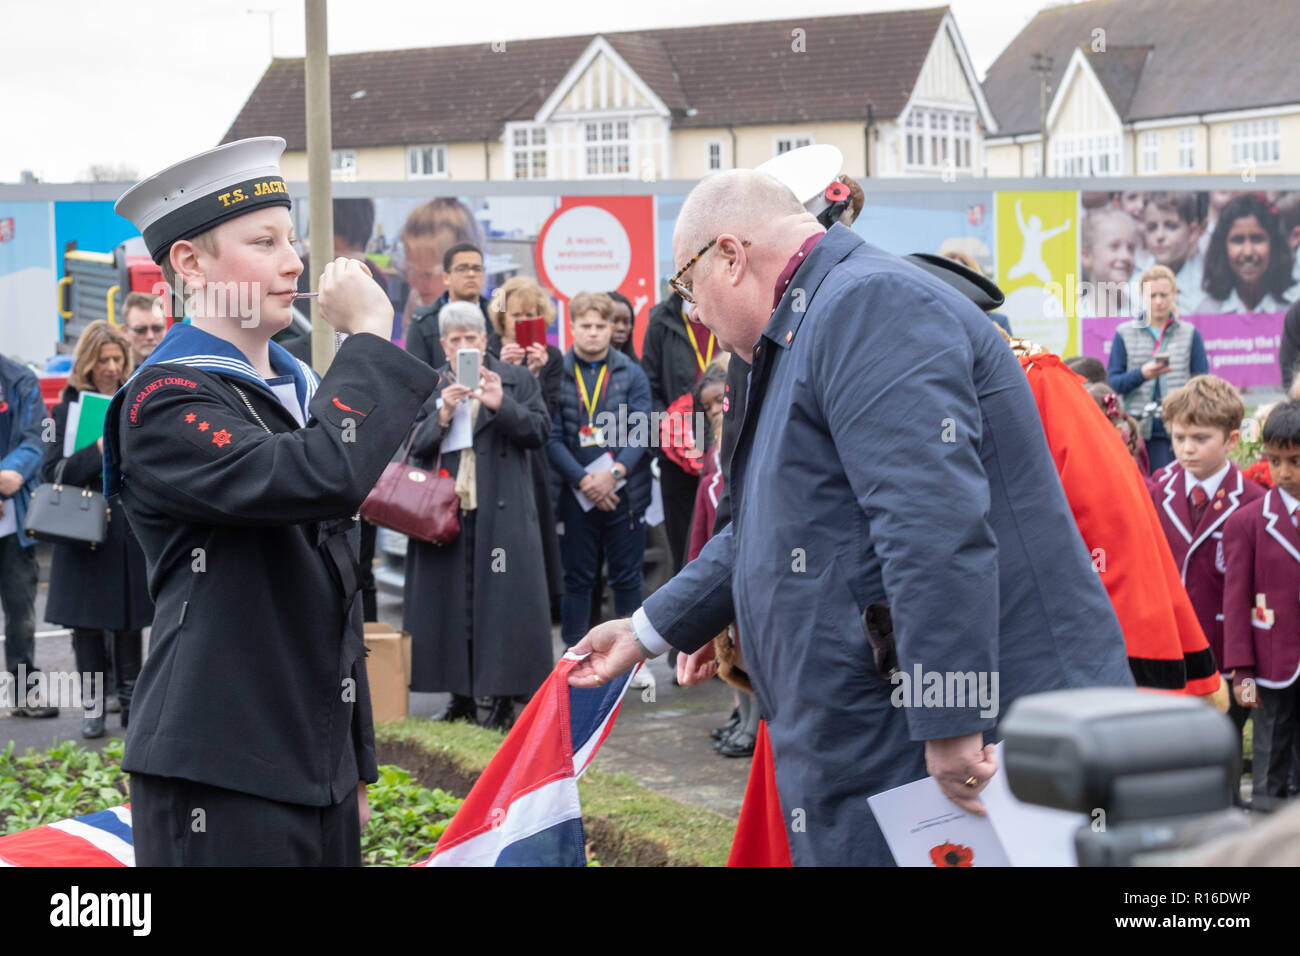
[(662, 742)]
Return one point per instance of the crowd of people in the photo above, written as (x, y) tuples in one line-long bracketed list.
[(556, 458)]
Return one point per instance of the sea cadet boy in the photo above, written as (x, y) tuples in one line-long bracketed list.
[(1261, 608), (251, 738)]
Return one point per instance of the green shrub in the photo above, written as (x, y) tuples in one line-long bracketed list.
[(69, 781), (59, 783)]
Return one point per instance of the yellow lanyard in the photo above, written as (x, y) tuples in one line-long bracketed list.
[(704, 362), (590, 402)]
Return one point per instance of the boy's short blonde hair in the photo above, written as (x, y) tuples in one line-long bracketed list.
[(206, 241), (585, 302), (1205, 400)]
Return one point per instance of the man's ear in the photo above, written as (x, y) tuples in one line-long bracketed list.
[(729, 253), (186, 263), (1234, 436)]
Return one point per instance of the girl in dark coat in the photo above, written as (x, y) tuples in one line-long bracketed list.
[(107, 588), (477, 609)]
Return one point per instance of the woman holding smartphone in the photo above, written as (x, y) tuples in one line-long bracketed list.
[(521, 310), (477, 608), (1151, 356)]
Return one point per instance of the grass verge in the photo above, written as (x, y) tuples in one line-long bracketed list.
[(626, 823)]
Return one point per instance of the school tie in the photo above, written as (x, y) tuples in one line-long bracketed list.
[(1199, 500), (1295, 519)]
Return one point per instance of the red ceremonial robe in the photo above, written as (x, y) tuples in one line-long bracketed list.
[(1167, 648)]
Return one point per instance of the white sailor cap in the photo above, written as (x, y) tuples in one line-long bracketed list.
[(203, 191), (809, 171)]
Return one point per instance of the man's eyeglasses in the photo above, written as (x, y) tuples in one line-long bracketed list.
[(463, 269), (684, 288), (144, 329)]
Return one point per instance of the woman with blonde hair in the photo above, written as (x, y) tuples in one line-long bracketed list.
[(523, 298), (107, 588)]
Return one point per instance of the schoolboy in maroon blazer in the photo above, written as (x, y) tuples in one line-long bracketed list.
[(1196, 494), (1261, 608)]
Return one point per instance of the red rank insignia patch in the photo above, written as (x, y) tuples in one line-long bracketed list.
[(221, 438), (203, 426), (190, 417)]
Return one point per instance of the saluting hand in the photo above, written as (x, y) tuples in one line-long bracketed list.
[(351, 301)]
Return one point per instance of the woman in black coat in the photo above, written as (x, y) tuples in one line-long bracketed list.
[(478, 609), (107, 588)]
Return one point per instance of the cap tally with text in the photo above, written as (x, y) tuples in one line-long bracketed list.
[(808, 171), (206, 190)]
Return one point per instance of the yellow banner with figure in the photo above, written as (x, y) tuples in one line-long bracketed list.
[(1038, 256)]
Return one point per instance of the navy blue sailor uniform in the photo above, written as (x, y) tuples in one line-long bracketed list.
[(253, 702)]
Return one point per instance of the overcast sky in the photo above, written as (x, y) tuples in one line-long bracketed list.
[(143, 84)]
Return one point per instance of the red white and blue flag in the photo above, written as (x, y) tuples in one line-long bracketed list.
[(524, 809), (98, 839)]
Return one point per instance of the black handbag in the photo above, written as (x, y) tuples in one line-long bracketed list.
[(65, 514)]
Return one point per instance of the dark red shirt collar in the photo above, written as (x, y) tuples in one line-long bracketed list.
[(791, 267)]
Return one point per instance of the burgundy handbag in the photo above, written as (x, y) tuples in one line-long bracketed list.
[(414, 501)]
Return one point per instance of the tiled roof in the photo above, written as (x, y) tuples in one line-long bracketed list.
[(724, 74), (1205, 56)]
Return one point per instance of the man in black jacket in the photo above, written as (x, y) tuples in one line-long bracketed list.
[(251, 737), (462, 271)]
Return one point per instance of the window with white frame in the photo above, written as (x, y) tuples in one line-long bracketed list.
[(785, 143), (1186, 149), (1150, 151), (608, 149), (343, 164), (939, 139), (1037, 160), (714, 152), (1257, 142), (426, 162), (528, 149), (1085, 154)]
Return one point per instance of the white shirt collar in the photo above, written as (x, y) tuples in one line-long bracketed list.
[(1210, 484), (1288, 499)]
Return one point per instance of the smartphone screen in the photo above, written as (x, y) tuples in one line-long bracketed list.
[(1163, 358), (467, 366)]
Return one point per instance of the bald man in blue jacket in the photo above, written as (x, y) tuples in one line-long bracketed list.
[(891, 468)]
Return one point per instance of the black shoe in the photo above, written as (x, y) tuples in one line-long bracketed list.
[(502, 716), (460, 708), (92, 726), (738, 745), (718, 733)]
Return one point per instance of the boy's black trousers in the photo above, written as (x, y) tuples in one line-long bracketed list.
[(177, 822)]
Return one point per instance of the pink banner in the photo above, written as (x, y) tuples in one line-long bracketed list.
[(1242, 348)]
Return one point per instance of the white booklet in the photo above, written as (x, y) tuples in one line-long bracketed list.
[(604, 463), (925, 828)]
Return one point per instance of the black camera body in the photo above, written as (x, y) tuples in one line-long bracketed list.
[(1152, 771)]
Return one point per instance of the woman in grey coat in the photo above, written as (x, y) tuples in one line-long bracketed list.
[(478, 609)]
